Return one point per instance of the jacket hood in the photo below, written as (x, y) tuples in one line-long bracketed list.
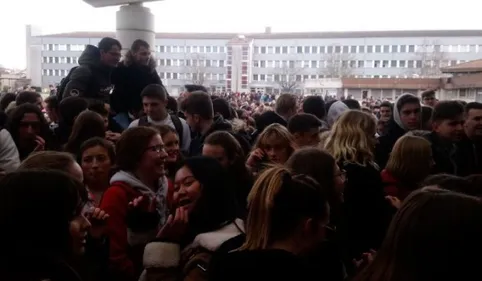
[(129, 60), (90, 56), (396, 111), (160, 195), (335, 111), (220, 124), (135, 183)]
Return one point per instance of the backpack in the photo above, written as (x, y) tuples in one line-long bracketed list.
[(143, 121), (63, 84)]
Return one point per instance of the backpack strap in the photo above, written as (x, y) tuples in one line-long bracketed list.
[(178, 126), (197, 265), (143, 121)]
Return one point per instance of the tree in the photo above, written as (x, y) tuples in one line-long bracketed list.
[(286, 78), (196, 68), (337, 65), (430, 58)]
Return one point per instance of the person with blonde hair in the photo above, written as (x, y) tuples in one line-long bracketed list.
[(366, 212), (409, 164), (287, 219), (274, 145)]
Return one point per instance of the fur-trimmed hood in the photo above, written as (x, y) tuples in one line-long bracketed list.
[(166, 255), (129, 60)]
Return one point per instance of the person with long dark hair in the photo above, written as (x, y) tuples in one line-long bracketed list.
[(29, 129), (204, 215)]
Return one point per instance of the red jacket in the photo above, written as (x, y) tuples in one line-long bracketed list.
[(125, 260)]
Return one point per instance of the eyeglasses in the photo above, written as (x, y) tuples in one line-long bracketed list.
[(156, 148)]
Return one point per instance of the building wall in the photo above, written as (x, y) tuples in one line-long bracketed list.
[(270, 59)]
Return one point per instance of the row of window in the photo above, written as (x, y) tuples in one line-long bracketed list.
[(355, 63), (69, 60), (367, 49), (63, 47), (193, 76), (299, 49), (191, 62), (160, 49), (301, 78), (191, 49), (163, 75)]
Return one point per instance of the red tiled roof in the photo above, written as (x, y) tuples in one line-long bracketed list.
[(467, 67), (287, 35)]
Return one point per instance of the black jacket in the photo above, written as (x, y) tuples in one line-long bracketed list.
[(91, 79), (129, 80)]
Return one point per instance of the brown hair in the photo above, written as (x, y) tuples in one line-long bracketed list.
[(285, 103), (435, 235), (410, 160), (131, 146), (52, 160), (87, 125), (277, 203)]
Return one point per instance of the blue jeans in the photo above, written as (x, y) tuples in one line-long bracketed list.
[(123, 120)]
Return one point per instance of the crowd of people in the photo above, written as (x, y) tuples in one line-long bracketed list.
[(111, 178)]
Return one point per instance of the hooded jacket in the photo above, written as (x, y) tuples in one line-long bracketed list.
[(335, 111), (395, 130), (129, 79), (126, 246), (91, 79)]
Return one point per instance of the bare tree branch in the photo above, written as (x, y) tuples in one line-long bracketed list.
[(430, 58), (287, 78), (337, 65), (195, 66)]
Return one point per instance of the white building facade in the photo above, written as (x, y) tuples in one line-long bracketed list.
[(270, 62)]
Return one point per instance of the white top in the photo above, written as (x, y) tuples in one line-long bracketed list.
[(9, 158), (186, 131)]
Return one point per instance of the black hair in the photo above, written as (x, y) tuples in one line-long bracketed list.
[(27, 97), (386, 104), (70, 108), (98, 107), (472, 105), (217, 204), (172, 105), (445, 110), (155, 91), (352, 104), (137, 44), (14, 122), (199, 103), (407, 99), (193, 88), (315, 105), (106, 44), (52, 102), (6, 99), (303, 123), (222, 107), (428, 93)]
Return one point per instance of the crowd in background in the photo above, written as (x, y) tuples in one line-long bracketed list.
[(111, 178)]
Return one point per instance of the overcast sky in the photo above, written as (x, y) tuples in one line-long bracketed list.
[(54, 16)]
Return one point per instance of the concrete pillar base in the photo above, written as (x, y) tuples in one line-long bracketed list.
[(135, 22)]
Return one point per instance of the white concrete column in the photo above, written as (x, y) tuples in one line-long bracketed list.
[(135, 22)]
